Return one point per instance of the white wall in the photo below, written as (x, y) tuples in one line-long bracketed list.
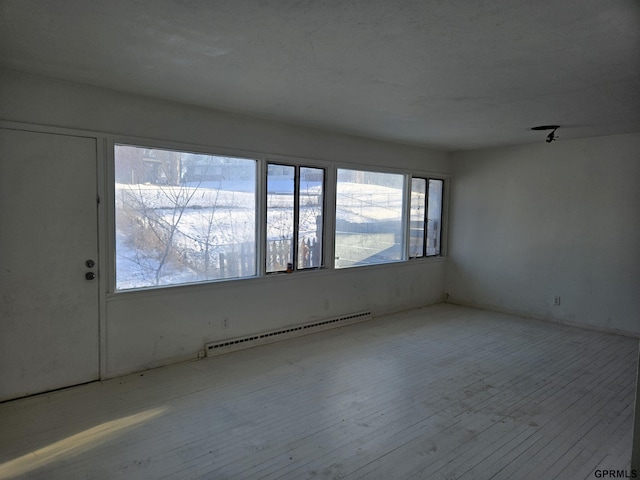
[(535, 221), (151, 328), (32, 99)]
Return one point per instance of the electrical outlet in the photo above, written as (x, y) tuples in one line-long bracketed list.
[(225, 322), (326, 304), (556, 301), (201, 354)]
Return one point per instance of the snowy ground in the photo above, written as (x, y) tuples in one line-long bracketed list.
[(220, 216)]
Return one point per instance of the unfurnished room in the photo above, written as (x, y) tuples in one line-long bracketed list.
[(319, 239)]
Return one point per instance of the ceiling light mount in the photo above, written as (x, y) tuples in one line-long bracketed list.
[(552, 136)]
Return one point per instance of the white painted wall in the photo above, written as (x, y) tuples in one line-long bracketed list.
[(32, 99), (535, 221), (150, 328)]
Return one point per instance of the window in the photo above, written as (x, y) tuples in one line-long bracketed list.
[(295, 200), (425, 217), (369, 218), (182, 217)]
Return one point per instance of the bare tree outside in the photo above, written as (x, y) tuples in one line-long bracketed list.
[(311, 217), (182, 217), (284, 187)]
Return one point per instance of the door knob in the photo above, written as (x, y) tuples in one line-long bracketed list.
[(90, 263), (90, 275)]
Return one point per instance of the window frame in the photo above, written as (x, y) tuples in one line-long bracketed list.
[(297, 166), (146, 147), (404, 214), (427, 179)]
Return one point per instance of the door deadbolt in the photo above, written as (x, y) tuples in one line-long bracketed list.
[(90, 263), (90, 275)]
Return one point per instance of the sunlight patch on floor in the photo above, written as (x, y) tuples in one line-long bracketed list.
[(75, 444)]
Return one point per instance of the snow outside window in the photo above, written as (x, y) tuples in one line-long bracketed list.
[(425, 217), (369, 218), (182, 217), (295, 200), (434, 217)]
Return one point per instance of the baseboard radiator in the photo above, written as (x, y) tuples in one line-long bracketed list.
[(230, 345)]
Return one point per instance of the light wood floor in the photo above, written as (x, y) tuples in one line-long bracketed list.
[(441, 392)]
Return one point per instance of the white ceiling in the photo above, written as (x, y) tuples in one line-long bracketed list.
[(450, 74)]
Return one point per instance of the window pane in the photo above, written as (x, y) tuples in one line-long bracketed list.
[(310, 219), (280, 208), (369, 226), (417, 217), (182, 217), (434, 217)]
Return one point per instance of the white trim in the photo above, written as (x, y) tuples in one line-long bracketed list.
[(163, 290), (34, 127), (103, 250), (261, 218), (109, 203), (329, 247), (406, 217), (444, 239), (397, 170)]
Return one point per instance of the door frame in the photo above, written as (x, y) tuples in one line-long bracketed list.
[(103, 259)]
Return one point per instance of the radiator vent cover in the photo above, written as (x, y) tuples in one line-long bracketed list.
[(230, 345)]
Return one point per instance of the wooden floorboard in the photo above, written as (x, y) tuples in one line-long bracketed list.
[(443, 392)]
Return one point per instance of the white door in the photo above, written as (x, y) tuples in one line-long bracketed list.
[(49, 334)]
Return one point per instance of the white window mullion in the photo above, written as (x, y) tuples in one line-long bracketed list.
[(329, 228), (261, 217), (406, 216)]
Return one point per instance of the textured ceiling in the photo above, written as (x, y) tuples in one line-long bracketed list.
[(454, 74)]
